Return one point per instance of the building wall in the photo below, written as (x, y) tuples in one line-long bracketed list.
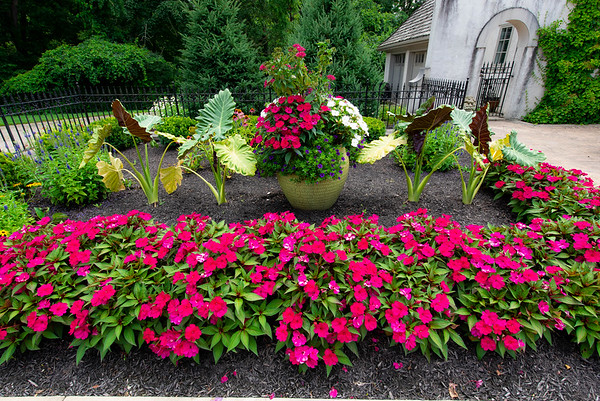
[(464, 35), (398, 74)]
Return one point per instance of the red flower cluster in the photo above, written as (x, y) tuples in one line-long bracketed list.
[(491, 329), (284, 121)]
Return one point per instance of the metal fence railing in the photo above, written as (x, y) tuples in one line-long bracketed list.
[(29, 114)]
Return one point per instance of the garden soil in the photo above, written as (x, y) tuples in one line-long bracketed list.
[(552, 372)]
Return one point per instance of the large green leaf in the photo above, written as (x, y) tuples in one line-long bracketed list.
[(148, 121), (462, 118), (379, 148), (480, 131), (171, 137), (189, 144), (418, 129), (236, 155), (216, 118), (112, 174), (518, 153), (125, 120), (95, 143), (171, 177)]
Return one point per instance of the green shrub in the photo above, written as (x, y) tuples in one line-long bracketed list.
[(386, 108), (118, 137), (56, 160), (53, 140), (247, 128), (13, 213), (440, 141), (376, 127), (9, 172), (63, 183), (90, 63), (176, 125)]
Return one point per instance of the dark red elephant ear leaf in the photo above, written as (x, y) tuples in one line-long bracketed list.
[(125, 120), (418, 129), (480, 131)]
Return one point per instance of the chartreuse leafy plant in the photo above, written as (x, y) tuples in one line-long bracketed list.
[(223, 152), (479, 145), (112, 171), (414, 130)]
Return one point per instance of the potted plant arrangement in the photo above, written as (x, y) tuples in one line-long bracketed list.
[(306, 136)]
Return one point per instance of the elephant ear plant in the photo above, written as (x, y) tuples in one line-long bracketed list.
[(224, 153), (112, 172), (414, 130), (477, 142)]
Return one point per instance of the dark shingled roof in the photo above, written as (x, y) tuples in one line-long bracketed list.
[(418, 25)]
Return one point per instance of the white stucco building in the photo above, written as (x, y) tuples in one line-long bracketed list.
[(454, 39)]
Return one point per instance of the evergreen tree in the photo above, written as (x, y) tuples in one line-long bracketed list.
[(217, 53), (338, 21)]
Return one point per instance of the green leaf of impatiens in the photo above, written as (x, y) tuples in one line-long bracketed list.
[(112, 174), (520, 154), (125, 120), (379, 148), (216, 118), (171, 177), (95, 143), (236, 155)]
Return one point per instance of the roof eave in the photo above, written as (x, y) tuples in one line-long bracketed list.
[(390, 46)]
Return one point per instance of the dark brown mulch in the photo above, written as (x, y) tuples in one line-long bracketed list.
[(553, 372)]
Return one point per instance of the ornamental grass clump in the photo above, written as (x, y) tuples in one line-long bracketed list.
[(305, 130)]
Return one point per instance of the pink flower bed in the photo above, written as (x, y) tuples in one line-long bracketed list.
[(126, 281)]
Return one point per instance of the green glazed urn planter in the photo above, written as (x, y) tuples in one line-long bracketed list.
[(313, 196)]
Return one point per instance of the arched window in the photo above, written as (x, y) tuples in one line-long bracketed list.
[(503, 44)]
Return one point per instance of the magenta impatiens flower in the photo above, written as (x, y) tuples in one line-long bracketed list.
[(330, 358), (59, 309), (102, 296), (37, 323), (333, 393), (45, 290), (488, 344), (440, 302), (192, 332), (218, 307)]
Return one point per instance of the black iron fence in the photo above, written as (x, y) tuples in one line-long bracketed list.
[(29, 114), (493, 84)]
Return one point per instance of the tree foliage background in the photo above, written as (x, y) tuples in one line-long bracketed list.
[(28, 28)]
